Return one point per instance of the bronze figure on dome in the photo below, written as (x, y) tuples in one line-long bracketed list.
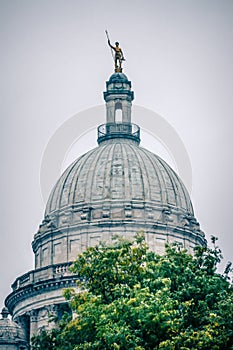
[(118, 55)]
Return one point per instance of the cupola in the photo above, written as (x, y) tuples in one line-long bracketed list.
[(118, 97)]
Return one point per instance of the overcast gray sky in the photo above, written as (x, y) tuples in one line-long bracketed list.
[(54, 63)]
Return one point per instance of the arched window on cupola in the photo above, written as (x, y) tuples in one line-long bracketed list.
[(118, 112)]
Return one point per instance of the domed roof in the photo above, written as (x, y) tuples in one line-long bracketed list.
[(119, 170), (118, 77), (10, 331), (116, 188)]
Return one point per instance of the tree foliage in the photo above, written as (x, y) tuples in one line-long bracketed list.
[(132, 298)]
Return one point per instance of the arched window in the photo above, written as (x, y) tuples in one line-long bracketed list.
[(118, 116)]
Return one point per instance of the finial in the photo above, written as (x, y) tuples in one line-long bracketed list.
[(5, 313), (117, 55)]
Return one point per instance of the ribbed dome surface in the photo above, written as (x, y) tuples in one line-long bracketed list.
[(121, 171)]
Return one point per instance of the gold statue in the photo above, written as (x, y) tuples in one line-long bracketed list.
[(118, 57)]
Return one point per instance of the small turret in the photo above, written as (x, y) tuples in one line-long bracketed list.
[(118, 97), (11, 334)]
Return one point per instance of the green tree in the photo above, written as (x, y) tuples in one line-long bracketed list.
[(132, 298)]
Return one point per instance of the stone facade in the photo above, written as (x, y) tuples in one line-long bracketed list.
[(116, 188)]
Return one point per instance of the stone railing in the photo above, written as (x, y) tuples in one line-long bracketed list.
[(119, 130), (44, 273), (61, 269)]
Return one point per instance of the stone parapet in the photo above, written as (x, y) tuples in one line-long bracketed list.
[(118, 130), (45, 273)]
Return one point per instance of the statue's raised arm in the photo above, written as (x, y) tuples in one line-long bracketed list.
[(118, 55)]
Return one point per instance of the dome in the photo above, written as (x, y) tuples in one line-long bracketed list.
[(119, 171), (116, 188)]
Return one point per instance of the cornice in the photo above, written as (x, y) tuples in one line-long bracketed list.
[(38, 288)]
